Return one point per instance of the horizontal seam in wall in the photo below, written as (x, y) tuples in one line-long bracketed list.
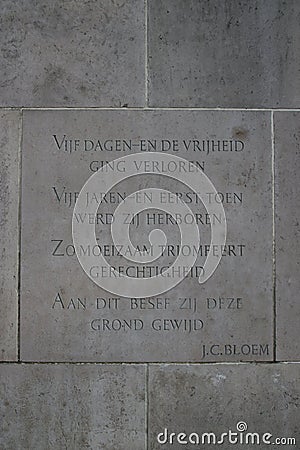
[(96, 108), (144, 363)]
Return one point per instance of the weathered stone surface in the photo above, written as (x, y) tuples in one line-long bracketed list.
[(70, 53), (237, 320), (287, 139), (72, 407), (230, 54), (215, 398), (9, 229)]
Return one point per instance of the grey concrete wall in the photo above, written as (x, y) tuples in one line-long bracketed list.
[(166, 68)]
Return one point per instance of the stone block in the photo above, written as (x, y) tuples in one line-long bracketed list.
[(287, 205), (9, 232), (245, 398), (66, 316), (72, 406), (70, 53), (224, 54)]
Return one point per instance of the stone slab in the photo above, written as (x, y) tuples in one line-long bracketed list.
[(69, 53), (224, 54), (215, 398), (72, 406), (228, 318), (287, 138), (9, 232)]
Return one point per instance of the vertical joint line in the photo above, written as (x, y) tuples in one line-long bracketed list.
[(146, 52), (147, 447), (19, 234), (274, 237)]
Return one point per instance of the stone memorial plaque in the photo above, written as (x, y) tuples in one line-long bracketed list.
[(287, 138), (98, 293)]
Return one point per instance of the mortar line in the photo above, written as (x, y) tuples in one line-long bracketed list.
[(274, 238), (19, 233), (106, 108), (146, 52), (154, 363), (147, 409)]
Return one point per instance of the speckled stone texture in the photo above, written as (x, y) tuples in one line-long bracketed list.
[(72, 407), (212, 53), (287, 206), (9, 232), (214, 398), (72, 53), (93, 69)]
